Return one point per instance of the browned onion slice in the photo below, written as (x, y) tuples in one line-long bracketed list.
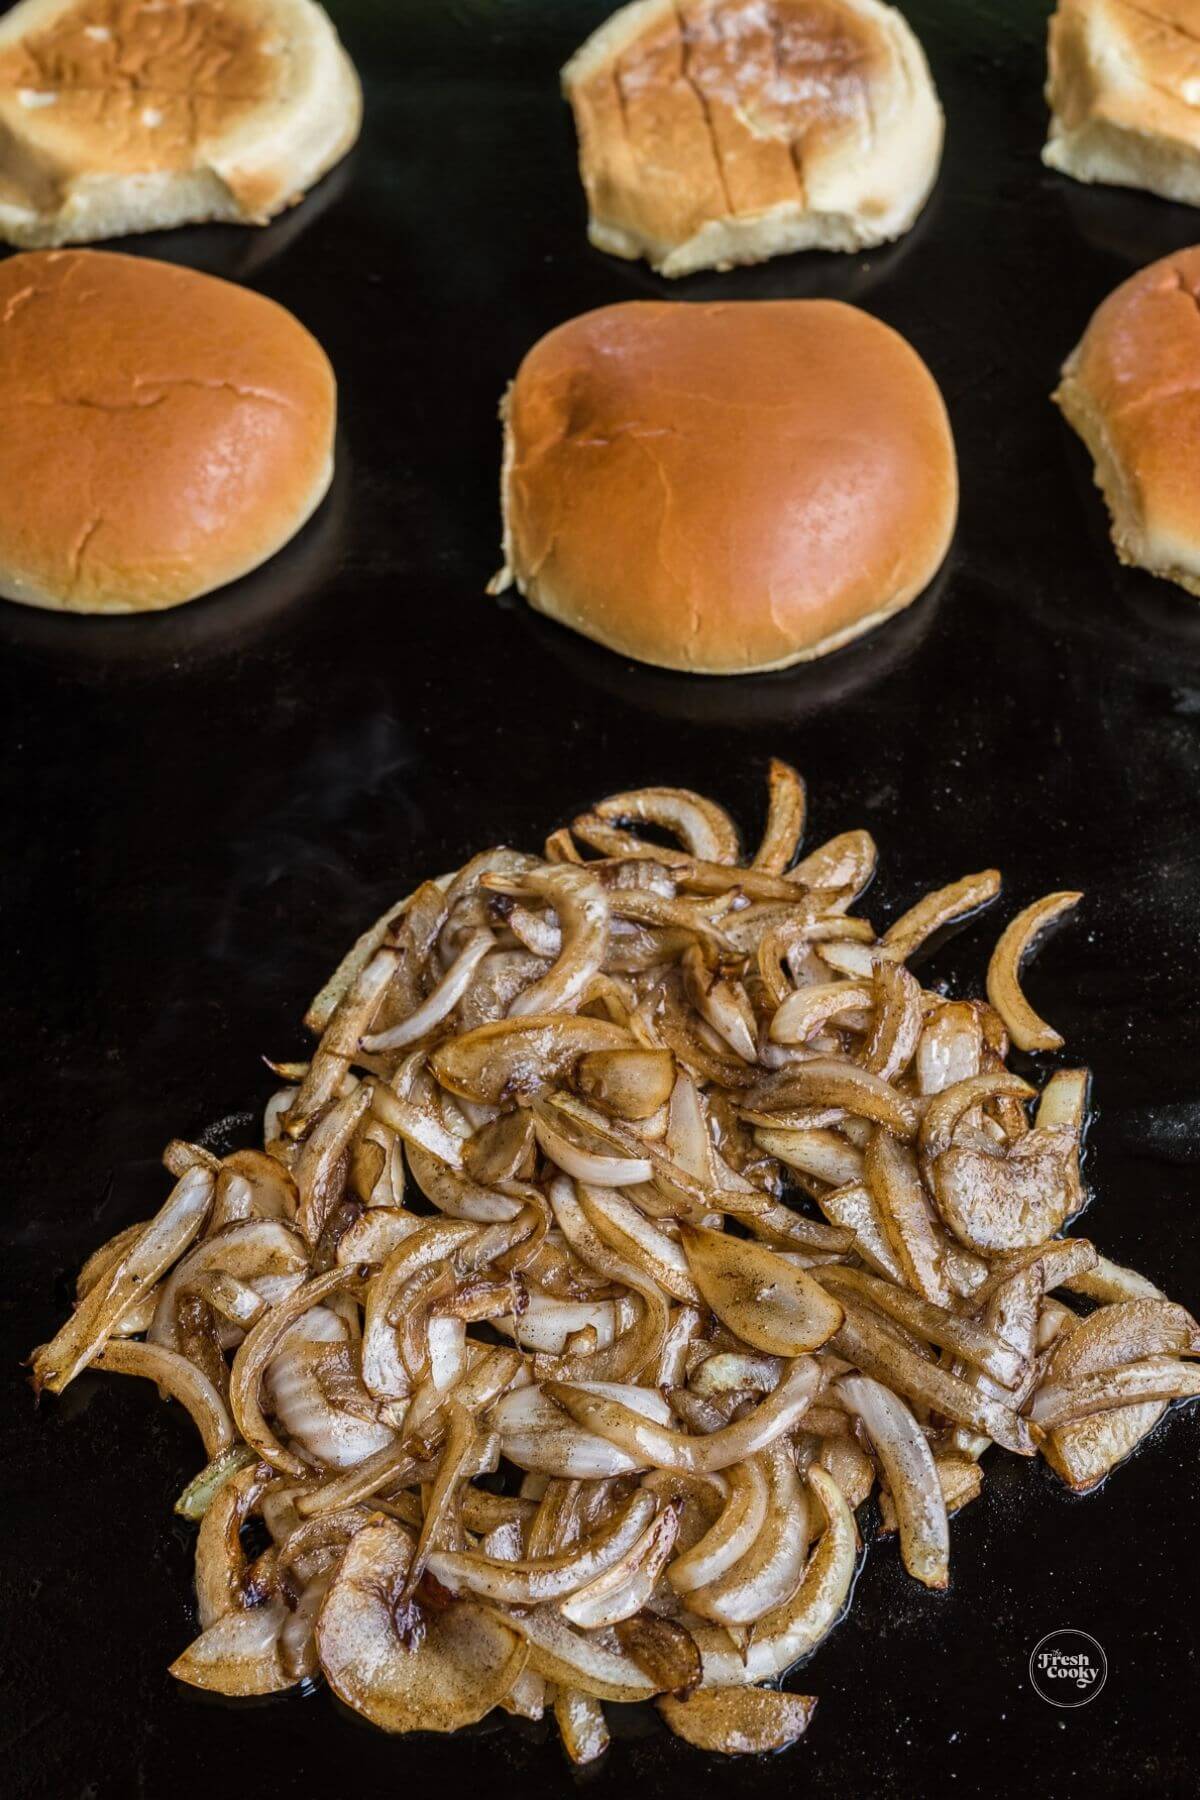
[(786, 806), (461, 1660), (660, 1447), (518, 1057), (182, 1380), (739, 1721), (1025, 1028), (125, 1282), (903, 1449), (939, 909), (763, 1300)]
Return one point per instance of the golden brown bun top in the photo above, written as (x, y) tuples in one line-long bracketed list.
[(1138, 370), (726, 486), (1106, 54), (162, 430), (137, 85), (727, 99)]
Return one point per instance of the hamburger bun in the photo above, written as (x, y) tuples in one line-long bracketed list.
[(133, 115), (725, 488), (714, 132), (163, 432), (1131, 389), (1124, 94)]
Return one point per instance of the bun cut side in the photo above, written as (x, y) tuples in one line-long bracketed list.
[(163, 432), (1124, 92), (121, 116), (714, 132), (1131, 389), (725, 488)]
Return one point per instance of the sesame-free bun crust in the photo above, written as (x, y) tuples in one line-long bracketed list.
[(162, 432), (120, 116), (1131, 389), (725, 488), (1124, 92), (714, 132)]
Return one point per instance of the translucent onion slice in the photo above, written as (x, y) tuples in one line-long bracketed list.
[(897, 1029), (440, 1002), (1026, 1029), (631, 1083), (664, 1649), (951, 1104), (461, 1660), (810, 1009), (256, 1351), (764, 1300), (961, 1481), (581, 905), (627, 1231), (541, 1579), (350, 1018), (786, 806), (1122, 1333), (182, 1380), (249, 1249), (535, 1435), (321, 1167), (600, 1168), (1084, 1453), (580, 1721), (769, 1572), (950, 1047), (732, 1533), (739, 1721), (658, 1446), (125, 1282), (238, 1655), (912, 1477), (621, 1592), (799, 1625)]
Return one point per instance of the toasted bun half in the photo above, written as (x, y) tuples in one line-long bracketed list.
[(714, 132), (163, 432), (119, 116), (1131, 389), (1124, 93), (725, 488)]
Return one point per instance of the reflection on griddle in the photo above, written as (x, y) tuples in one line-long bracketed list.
[(221, 624), (788, 696)]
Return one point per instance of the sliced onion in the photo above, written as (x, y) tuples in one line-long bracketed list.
[(760, 1297), (824, 1154), (441, 1002), (622, 1591), (591, 1661), (798, 1626), (1025, 1028), (657, 1446), (701, 826), (768, 1573), (787, 803), (731, 1535), (125, 1282), (1154, 1378), (182, 1380), (906, 1216), (531, 1583), (238, 1655), (831, 1081), (903, 1449), (939, 909), (739, 1721), (464, 1663)]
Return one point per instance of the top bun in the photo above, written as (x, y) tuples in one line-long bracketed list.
[(133, 115), (725, 488), (163, 432), (714, 132), (1131, 389), (1124, 93)]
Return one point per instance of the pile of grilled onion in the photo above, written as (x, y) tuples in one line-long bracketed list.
[(637, 1215)]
